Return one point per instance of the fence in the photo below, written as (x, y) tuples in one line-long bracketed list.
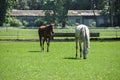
[(28, 34)]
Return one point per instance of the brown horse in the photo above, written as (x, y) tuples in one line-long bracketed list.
[(45, 33)]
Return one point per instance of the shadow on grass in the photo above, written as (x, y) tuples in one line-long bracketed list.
[(34, 51), (71, 58)]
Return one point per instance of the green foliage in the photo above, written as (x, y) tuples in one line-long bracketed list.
[(5, 9), (59, 11), (29, 4), (106, 7), (111, 7), (38, 22), (25, 23), (2, 11), (117, 8), (13, 22), (93, 24), (9, 6), (22, 5), (43, 4), (49, 16)]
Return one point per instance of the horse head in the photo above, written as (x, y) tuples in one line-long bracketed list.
[(52, 28)]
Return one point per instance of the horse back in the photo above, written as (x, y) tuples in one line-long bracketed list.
[(82, 32), (44, 31)]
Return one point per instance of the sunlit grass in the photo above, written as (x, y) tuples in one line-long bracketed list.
[(24, 61)]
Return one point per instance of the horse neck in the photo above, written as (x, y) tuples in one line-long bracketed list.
[(50, 28)]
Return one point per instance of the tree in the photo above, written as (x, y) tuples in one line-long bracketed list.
[(53, 10), (117, 12), (59, 10), (34, 4), (93, 2), (22, 5), (49, 8), (109, 10), (5, 8)]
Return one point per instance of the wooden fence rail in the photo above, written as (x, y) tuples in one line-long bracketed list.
[(73, 34)]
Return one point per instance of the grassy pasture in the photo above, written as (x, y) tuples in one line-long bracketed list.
[(16, 33), (24, 61)]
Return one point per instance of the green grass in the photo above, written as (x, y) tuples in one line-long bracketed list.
[(24, 61), (16, 33)]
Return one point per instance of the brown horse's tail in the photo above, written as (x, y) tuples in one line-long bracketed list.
[(39, 33)]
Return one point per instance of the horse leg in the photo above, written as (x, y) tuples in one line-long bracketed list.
[(85, 51), (42, 44), (76, 47), (48, 43), (40, 39), (80, 44)]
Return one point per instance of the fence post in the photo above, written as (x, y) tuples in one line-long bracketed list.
[(17, 35), (117, 31)]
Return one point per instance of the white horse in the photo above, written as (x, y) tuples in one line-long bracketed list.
[(82, 36)]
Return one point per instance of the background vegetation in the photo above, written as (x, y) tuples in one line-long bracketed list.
[(60, 8)]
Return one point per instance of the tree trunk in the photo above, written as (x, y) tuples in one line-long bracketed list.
[(63, 24), (3, 7)]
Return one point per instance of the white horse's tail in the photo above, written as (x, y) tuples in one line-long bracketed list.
[(87, 36)]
